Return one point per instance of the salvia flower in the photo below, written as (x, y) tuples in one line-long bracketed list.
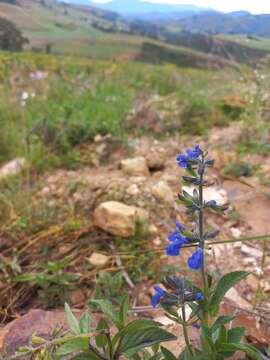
[(182, 161), (195, 262), (211, 203), (158, 296), (177, 240), (194, 153)]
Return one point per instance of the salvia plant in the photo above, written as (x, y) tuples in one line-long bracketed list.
[(218, 339), (116, 337)]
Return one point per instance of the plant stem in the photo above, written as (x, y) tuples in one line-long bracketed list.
[(201, 233), (185, 331)]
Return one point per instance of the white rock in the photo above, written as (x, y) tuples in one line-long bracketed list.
[(236, 233), (97, 259), (211, 193), (98, 138), (162, 191), (116, 218), (164, 320), (157, 241), (133, 190), (13, 167), (135, 167), (251, 252)]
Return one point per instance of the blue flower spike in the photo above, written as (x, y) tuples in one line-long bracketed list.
[(195, 262), (160, 293), (183, 160)]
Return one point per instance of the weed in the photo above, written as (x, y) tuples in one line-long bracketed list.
[(53, 281)]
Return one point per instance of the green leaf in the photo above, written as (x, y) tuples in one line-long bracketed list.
[(85, 322), (138, 325), (101, 340), (222, 335), (86, 355), (143, 338), (25, 277), (224, 285), (72, 321), (206, 336), (107, 309), (248, 349), (167, 354), (73, 346), (236, 334), (124, 310), (222, 320)]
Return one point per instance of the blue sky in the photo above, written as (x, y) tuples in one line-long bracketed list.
[(254, 6)]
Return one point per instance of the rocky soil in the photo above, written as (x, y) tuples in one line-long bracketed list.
[(123, 187)]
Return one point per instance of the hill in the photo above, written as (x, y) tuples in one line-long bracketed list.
[(74, 29), (234, 23)]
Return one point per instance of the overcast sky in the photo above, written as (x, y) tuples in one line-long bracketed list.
[(254, 6)]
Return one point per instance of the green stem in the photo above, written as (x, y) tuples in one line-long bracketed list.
[(185, 331)]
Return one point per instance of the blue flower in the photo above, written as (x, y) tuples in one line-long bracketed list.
[(177, 241), (196, 326), (193, 154), (195, 262), (182, 160), (160, 293), (199, 297), (179, 226), (211, 203)]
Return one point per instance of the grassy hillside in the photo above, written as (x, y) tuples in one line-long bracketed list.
[(99, 34), (71, 99)]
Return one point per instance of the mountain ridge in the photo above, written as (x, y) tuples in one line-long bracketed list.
[(142, 7)]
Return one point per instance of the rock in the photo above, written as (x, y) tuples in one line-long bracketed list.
[(163, 192), (98, 138), (97, 259), (153, 230), (234, 296), (13, 167), (165, 321), (42, 323), (135, 167), (116, 218), (253, 282), (76, 298), (251, 252), (157, 241), (249, 261), (133, 190), (156, 158), (236, 233), (211, 193)]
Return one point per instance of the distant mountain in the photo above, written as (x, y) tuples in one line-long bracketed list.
[(141, 8), (76, 2), (233, 23)]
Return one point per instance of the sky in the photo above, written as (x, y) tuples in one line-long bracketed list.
[(253, 6)]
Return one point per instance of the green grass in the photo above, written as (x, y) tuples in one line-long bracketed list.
[(256, 42), (80, 98)]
